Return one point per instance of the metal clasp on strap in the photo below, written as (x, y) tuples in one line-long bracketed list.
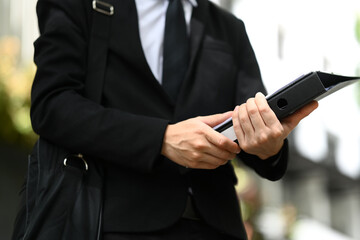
[(77, 157), (103, 7)]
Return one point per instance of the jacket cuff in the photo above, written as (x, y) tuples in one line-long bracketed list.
[(272, 168)]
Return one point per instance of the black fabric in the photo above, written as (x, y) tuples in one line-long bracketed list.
[(184, 229), (176, 49), (143, 191), (61, 202), (277, 160)]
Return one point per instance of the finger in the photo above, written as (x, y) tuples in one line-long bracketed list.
[(221, 142), (216, 161), (268, 116), (254, 114), (206, 161), (221, 154), (216, 119), (240, 135), (245, 122), (219, 150), (204, 165)]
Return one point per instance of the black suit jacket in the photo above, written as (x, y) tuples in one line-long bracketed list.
[(144, 191)]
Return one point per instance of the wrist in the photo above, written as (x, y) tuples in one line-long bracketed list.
[(166, 146)]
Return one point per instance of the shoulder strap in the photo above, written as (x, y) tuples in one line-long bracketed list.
[(98, 48), (34, 223)]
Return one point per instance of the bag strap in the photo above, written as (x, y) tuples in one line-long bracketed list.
[(75, 166), (98, 48), (97, 59)]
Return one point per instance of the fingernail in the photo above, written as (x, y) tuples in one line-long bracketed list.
[(260, 93)]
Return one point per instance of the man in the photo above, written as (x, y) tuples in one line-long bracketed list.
[(168, 174)]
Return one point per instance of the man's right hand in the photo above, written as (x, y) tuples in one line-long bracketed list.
[(193, 143)]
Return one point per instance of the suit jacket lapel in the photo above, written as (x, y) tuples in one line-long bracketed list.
[(125, 40), (197, 28), (125, 37)]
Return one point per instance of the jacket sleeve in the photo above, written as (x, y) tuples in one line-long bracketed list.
[(60, 113), (272, 168), (248, 84)]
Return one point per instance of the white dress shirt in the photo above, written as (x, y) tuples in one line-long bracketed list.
[(151, 15)]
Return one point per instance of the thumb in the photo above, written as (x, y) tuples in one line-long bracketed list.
[(216, 119)]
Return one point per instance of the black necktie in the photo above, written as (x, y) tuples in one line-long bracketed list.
[(176, 49)]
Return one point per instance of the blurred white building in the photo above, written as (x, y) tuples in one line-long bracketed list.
[(291, 38), (18, 18)]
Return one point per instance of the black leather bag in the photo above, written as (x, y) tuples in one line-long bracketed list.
[(62, 197)]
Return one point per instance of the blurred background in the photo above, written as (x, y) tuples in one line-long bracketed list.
[(319, 198)]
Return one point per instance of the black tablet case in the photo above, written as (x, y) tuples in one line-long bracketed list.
[(296, 94)]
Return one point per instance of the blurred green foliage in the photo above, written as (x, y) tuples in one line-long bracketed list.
[(357, 28), (15, 85)]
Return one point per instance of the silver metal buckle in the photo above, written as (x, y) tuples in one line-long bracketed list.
[(103, 7), (78, 156)]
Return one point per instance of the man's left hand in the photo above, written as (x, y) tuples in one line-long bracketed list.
[(258, 130)]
